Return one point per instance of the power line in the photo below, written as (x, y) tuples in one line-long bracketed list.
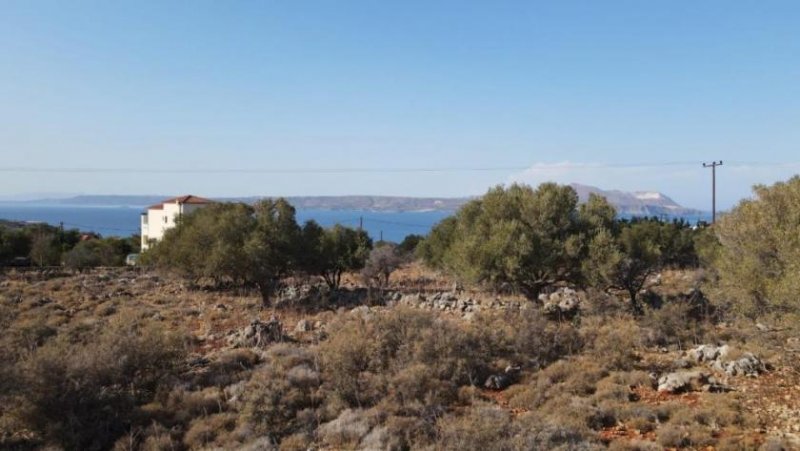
[(29, 169), (359, 170)]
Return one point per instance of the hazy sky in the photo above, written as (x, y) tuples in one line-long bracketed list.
[(629, 94)]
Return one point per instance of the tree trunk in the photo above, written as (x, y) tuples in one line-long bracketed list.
[(265, 289), (532, 290), (635, 307), (333, 279)]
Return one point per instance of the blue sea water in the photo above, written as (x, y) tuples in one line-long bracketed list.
[(124, 221)]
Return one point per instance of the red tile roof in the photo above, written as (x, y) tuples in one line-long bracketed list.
[(187, 199)]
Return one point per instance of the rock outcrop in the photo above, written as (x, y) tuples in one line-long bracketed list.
[(720, 358), (503, 380), (692, 380), (562, 303), (683, 381), (257, 334)]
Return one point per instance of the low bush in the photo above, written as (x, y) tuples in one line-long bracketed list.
[(210, 430), (565, 378), (532, 431), (282, 396), (85, 396), (483, 427), (615, 342), (419, 360), (347, 430)]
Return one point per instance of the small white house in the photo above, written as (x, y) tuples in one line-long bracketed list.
[(161, 217)]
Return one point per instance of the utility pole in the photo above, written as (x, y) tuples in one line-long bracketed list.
[(360, 223), (713, 165)]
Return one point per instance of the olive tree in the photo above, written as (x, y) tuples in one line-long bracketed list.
[(519, 236), (271, 248), (90, 254), (14, 243), (433, 247), (207, 244), (624, 262), (252, 246), (331, 252)]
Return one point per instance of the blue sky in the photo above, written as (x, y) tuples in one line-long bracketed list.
[(603, 93)]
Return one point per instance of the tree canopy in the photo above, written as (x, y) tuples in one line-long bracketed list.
[(530, 239), (758, 261), (517, 236), (331, 252), (256, 246)]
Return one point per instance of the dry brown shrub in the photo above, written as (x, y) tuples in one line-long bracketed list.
[(297, 442), (673, 436), (84, 396), (614, 341), (282, 396), (573, 377), (414, 357), (409, 432), (482, 427), (533, 431), (527, 337), (210, 430), (237, 359), (184, 405), (347, 430), (633, 445), (673, 325)]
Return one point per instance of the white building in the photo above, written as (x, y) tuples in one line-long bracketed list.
[(161, 217)]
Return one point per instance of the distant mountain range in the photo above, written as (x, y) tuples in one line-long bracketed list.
[(639, 203), (627, 204)]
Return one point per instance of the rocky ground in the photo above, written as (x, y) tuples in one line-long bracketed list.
[(757, 364)]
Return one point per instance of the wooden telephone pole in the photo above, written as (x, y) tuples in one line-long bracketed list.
[(713, 165)]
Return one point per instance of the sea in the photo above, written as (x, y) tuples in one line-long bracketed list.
[(124, 221)]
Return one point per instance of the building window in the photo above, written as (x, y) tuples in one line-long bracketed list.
[(166, 219)]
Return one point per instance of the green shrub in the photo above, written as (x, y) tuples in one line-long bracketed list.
[(90, 254), (759, 257)]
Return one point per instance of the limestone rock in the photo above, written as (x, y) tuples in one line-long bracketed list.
[(718, 358), (683, 381), (565, 302), (303, 326), (258, 334)]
